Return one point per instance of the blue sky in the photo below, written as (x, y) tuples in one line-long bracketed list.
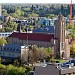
[(36, 1)]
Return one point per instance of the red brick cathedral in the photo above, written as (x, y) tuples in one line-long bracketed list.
[(57, 41)]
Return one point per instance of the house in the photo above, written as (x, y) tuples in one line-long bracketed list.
[(23, 22), (44, 29), (11, 51), (5, 34), (47, 22)]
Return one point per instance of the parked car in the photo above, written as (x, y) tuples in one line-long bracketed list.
[(32, 73), (66, 65), (72, 61)]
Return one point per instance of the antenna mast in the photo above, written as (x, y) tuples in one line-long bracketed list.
[(71, 13)]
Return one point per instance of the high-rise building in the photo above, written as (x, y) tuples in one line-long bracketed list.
[(61, 43)]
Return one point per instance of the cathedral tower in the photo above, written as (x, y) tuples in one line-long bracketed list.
[(59, 35)]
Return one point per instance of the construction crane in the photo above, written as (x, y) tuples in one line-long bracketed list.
[(71, 13)]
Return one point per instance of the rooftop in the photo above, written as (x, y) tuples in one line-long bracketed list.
[(33, 36), (44, 29)]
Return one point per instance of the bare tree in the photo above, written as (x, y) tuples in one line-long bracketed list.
[(34, 54)]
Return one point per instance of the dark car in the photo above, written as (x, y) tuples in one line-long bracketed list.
[(72, 61), (66, 65), (31, 73)]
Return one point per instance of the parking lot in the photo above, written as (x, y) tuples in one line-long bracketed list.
[(66, 68)]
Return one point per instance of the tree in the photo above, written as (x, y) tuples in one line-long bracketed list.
[(14, 15), (2, 30), (26, 9), (18, 14), (21, 71), (13, 70), (72, 48), (8, 29), (33, 15), (35, 54), (16, 63), (2, 41), (47, 15), (2, 69), (0, 60), (1, 22), (51, 16), (43, 53), (4, 12), (10, 25), (13, 25)]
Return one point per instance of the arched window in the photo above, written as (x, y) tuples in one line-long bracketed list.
[(62, 54)]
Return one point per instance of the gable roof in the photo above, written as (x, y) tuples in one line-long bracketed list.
[(32, 36)]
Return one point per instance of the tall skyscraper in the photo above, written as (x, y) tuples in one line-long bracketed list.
[(60, 46)]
